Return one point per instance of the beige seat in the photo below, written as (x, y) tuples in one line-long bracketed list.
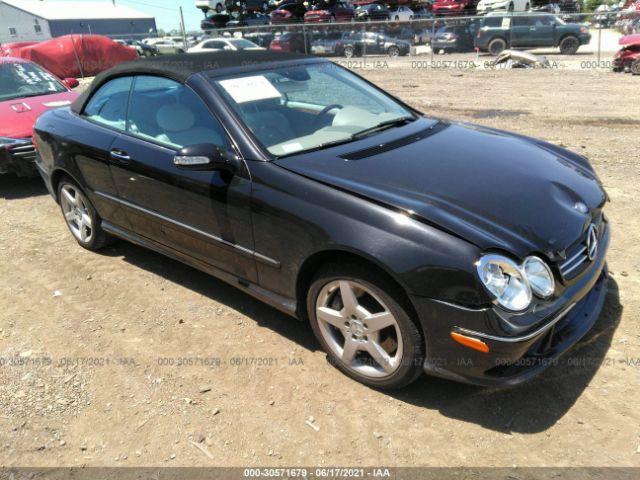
[(178, 127)]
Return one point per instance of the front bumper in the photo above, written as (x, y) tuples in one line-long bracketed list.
[(513, 358)]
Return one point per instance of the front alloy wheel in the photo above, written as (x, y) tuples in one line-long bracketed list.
[(365, 331), (367, 339)]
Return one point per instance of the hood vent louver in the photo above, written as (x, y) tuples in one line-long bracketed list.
[(400, 142)]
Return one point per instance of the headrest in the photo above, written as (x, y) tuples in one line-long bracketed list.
[(175, 118)]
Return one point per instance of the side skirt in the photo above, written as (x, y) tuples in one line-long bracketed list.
[(285, 305)]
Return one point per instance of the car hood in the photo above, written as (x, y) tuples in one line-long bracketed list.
[(492, 188), (17, 116)]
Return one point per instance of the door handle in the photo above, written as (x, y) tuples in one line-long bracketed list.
[(120, 157)]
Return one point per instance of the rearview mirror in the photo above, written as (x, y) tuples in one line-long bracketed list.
[(206, 156)]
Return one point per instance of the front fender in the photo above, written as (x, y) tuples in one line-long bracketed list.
[(295, 217)]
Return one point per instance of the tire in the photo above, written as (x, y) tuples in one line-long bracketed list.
[(81, 217), (496, 46), (397, 19), (393, 51), (398, 345), (219, 8), (635, 68), (569, 45), (349, 51), (527, 7)]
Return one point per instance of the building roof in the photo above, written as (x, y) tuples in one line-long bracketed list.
[(85, 10), (180, 67)]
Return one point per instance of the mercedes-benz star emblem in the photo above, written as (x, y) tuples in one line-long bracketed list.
[(581, 207), (592, 242)]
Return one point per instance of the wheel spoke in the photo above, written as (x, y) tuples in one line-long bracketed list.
[(331, 316), (349, 351), (70, 216), (86, 220), (83, 232), (378, 321), (380, 356), (67, 194), (349, 299)]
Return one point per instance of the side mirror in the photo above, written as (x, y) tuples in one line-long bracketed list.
[(206, 156), (71, 82)]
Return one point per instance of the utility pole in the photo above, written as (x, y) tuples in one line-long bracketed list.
[(184, 32)]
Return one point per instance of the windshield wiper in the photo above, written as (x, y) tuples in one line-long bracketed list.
[(394, 122), (322, 146)]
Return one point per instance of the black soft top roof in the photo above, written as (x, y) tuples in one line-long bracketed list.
[(180, 67)]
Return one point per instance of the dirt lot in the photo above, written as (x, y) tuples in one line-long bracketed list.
[(92, 345)]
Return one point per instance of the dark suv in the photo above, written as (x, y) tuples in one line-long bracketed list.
[(498, 32)]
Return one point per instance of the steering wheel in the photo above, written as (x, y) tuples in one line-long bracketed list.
[(323, 112)]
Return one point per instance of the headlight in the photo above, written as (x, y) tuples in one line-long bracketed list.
[(539, 276), (505, 280)]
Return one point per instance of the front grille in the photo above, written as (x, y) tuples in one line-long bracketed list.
[(577, 255), (25, 152)]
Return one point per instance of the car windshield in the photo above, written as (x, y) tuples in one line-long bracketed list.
[(24, 79), (302, 108)]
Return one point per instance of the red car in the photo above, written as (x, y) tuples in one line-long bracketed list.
[(627, 59), (26, 91), (330, 12), (288, 13), (454, 7)]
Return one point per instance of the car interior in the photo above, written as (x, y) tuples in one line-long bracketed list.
[(312, 109)]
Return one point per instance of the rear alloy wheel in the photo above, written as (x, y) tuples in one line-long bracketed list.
[(397, 18), (219, 8), (496, 46), (82, 219), (393, 51), (569, 45), (364, 330), (511, 7), (349, 52)]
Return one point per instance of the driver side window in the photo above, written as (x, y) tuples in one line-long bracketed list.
[(108, 106), (170, 113)]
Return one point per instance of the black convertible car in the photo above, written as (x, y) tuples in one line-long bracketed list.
[(409, 243)]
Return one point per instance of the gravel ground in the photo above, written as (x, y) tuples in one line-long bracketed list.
[(127, 358)]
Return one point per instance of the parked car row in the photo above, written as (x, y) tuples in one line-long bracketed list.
[(279, 12)]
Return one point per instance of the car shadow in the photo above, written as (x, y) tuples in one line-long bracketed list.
[(13, 187), (215, 289), (534, 406), (529, 408)]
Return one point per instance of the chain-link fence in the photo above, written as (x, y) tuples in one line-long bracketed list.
[(571, 36)]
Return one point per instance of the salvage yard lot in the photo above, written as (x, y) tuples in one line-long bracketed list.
[(126, 357)]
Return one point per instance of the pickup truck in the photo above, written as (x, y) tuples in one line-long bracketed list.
[(498, 32)]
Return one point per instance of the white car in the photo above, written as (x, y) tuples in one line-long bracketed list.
[(486, 6), (401, 14), (222, 44), (213, 5), (166, 46)]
